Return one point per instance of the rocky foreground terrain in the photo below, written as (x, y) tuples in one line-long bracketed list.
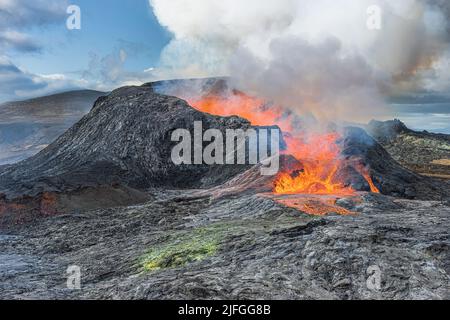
[(105, 197), (183, 246)]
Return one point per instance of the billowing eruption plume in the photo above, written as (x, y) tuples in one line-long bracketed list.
[(318, 61), (310, 56)]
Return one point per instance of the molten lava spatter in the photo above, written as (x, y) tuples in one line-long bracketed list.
[(318, 153)]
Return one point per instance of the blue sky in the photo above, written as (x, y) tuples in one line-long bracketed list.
[(107, 25), (118, 40)]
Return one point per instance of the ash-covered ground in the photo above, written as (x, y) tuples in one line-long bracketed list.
[(106, 198)]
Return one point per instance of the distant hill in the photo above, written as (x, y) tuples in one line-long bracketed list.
[(49, 108), (28, 126), (423, 152)]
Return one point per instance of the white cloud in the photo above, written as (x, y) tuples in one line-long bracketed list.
[(22, 14), (10, 39), (17, 17), (109, 72), (16, 83)]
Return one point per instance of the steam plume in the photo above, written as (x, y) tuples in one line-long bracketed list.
[(309, 56)]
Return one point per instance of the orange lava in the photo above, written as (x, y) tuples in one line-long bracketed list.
[(319, 208), (318, 153), (255, 110), (315, 206), (365, 173), (320, 158)]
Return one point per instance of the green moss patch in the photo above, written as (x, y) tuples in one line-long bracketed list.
[(185, 247), (188, 248)]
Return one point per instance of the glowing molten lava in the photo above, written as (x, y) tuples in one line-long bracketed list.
[(255, 110), (314, 204), (319, 154)]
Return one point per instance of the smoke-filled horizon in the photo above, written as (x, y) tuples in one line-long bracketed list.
[(319, 57)]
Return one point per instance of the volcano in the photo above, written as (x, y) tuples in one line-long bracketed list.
[(121, 148)]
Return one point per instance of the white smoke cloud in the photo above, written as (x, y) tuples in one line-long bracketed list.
[(317, 56), (310, 79)]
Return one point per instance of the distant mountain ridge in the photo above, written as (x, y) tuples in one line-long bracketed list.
[(420, 151), (28, 126), (60, 105)]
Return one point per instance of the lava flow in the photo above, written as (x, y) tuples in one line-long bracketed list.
[(319, 154)]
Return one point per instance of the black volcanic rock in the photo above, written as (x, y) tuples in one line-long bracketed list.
[(388, 175), (125, 140), (261, 250)]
